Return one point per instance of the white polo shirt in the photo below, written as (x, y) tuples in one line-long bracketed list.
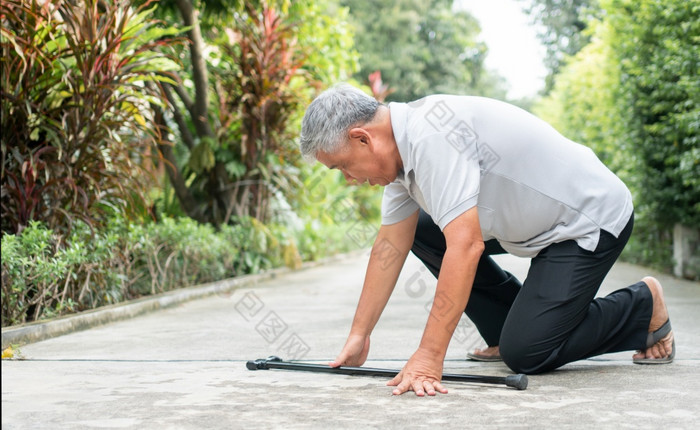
[(532, 187)]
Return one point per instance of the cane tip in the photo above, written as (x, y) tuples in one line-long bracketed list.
[(518, 381)]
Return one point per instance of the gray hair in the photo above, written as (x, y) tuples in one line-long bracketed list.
[(329, 118)]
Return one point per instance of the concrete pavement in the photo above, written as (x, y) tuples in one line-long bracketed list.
[(184, 367)]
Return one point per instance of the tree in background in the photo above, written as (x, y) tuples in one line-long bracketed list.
[(421, 47), (251, 67), (74, 109), (633, 95), (656, 42), (564, 23), (657, 46), (584, 102)]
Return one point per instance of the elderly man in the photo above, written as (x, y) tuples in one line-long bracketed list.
[(469, 177)]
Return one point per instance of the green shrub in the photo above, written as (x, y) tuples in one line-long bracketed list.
[(632, 96), (173, 254), (649, 245), (656, 42), (46, 274)]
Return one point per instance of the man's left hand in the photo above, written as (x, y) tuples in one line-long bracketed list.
[(421, 374)]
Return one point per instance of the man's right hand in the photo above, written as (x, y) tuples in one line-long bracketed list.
[(354, 352), (388, 254)]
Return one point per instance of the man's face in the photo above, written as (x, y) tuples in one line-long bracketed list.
[(359, 163)]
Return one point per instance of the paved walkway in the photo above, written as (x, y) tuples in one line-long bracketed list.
[(184, 367)]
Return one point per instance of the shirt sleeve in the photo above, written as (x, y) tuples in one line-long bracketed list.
[(397, 205), (447, 173)]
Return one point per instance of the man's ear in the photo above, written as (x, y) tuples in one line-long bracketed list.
[(360, 135)]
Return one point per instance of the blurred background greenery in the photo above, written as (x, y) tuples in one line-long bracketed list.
[(151, 145)]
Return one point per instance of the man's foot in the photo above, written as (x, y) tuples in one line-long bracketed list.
[(490, 353), (663, 350)]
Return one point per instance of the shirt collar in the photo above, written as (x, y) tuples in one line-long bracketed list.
[(399, 118)]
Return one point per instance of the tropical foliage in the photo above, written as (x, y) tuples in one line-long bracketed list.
[(148, 146), (237, 103), (633, 95), (47, 274), (74, 108), (101, 100)]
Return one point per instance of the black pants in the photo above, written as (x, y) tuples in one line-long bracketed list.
[(552, 318)]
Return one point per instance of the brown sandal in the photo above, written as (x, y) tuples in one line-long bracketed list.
[(652, 339), (482, 357)]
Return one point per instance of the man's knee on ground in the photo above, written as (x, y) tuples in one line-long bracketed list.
[(521, 357)]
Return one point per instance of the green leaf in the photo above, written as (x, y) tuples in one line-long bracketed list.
[(202, 157)]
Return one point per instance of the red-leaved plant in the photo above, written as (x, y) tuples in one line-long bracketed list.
[(240, 145), (380, 90), (260, 96), (75, 109)]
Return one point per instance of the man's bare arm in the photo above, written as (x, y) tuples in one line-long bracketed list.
[(388, 255), (464, 249), (465, 245)]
